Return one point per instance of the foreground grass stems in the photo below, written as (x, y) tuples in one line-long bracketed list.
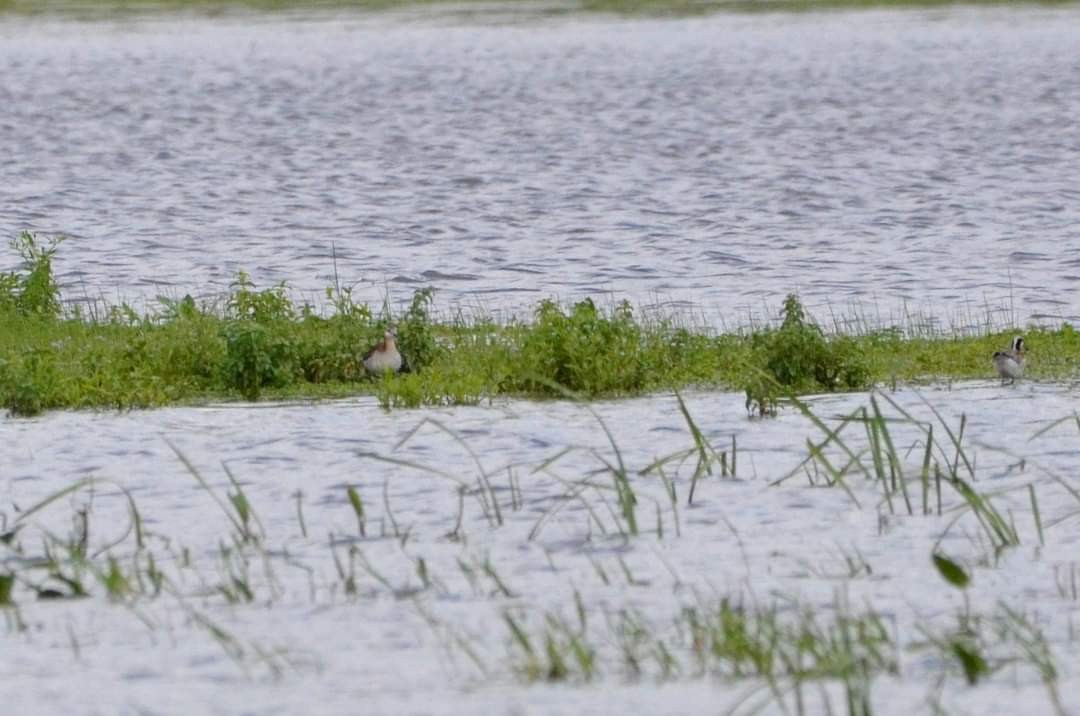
[(125, 569), (784, 651)]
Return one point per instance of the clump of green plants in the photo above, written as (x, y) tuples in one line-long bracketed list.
[(798, 358), (32, 292), (259, 350), (438, 385), (416, 334), (267, 306), (28, 383), (257, 356), (28, 377), (583, 350), (330, 349), (559, 652)]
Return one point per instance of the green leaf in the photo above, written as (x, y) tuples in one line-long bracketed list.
[(973, 663), (7, 582), (952, 572), (355, 501)]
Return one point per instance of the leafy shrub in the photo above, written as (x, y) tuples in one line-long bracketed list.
[(257, 356), (848, 367), (345, 307), (260, 347), (35, 292), (416, 338), (266, 306), (797, 352), (798, 358), (331, 349), (9, 292), (437, 386), (28, 386), (187, 345), (584, 350)]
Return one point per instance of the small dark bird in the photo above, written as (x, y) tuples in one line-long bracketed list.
[(1010, 363), (384, 357)]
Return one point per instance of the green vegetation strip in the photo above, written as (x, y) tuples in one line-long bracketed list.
[(256, 344)]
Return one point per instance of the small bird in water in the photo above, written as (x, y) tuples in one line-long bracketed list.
[(384, 357), (1010, 363)]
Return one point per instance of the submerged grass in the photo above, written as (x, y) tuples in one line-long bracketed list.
[(257, 343), (784, 650), (782, 647)]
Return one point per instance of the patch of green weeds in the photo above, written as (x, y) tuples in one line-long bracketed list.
[(259, 352), (257, 355), (583, 350), (416, 334), (256, 342), (798, 358), (34, 291), (29, 385)]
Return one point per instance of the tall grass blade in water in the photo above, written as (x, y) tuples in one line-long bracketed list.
[(358, 509), (704, 465), (7, 582)]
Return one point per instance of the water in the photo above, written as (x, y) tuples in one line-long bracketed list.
[(741, 537), (877, 157), (925, 158)]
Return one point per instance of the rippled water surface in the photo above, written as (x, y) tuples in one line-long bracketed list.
[(876, 157), (879, 157), (740, 537)]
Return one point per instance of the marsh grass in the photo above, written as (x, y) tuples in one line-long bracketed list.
[(784, 651), (905, 484), (787, 647), (127, 570), (979, 645), (257, 343), (783, 648)]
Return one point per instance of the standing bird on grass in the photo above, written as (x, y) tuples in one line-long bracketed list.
[(384, 357), (1010, 363)]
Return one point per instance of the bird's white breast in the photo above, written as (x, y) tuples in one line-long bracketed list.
[(1009, 366), (382, 361)]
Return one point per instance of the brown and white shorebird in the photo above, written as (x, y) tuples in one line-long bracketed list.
[(1010, 363), (384, 357)]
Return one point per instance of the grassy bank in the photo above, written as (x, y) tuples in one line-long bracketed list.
[(257, 343)]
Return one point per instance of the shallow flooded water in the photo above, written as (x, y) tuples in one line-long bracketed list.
[(916, 157), (888, 158), (399, 643)]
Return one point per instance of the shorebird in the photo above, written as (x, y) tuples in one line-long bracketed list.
[(384, 357), (1010, 363)]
